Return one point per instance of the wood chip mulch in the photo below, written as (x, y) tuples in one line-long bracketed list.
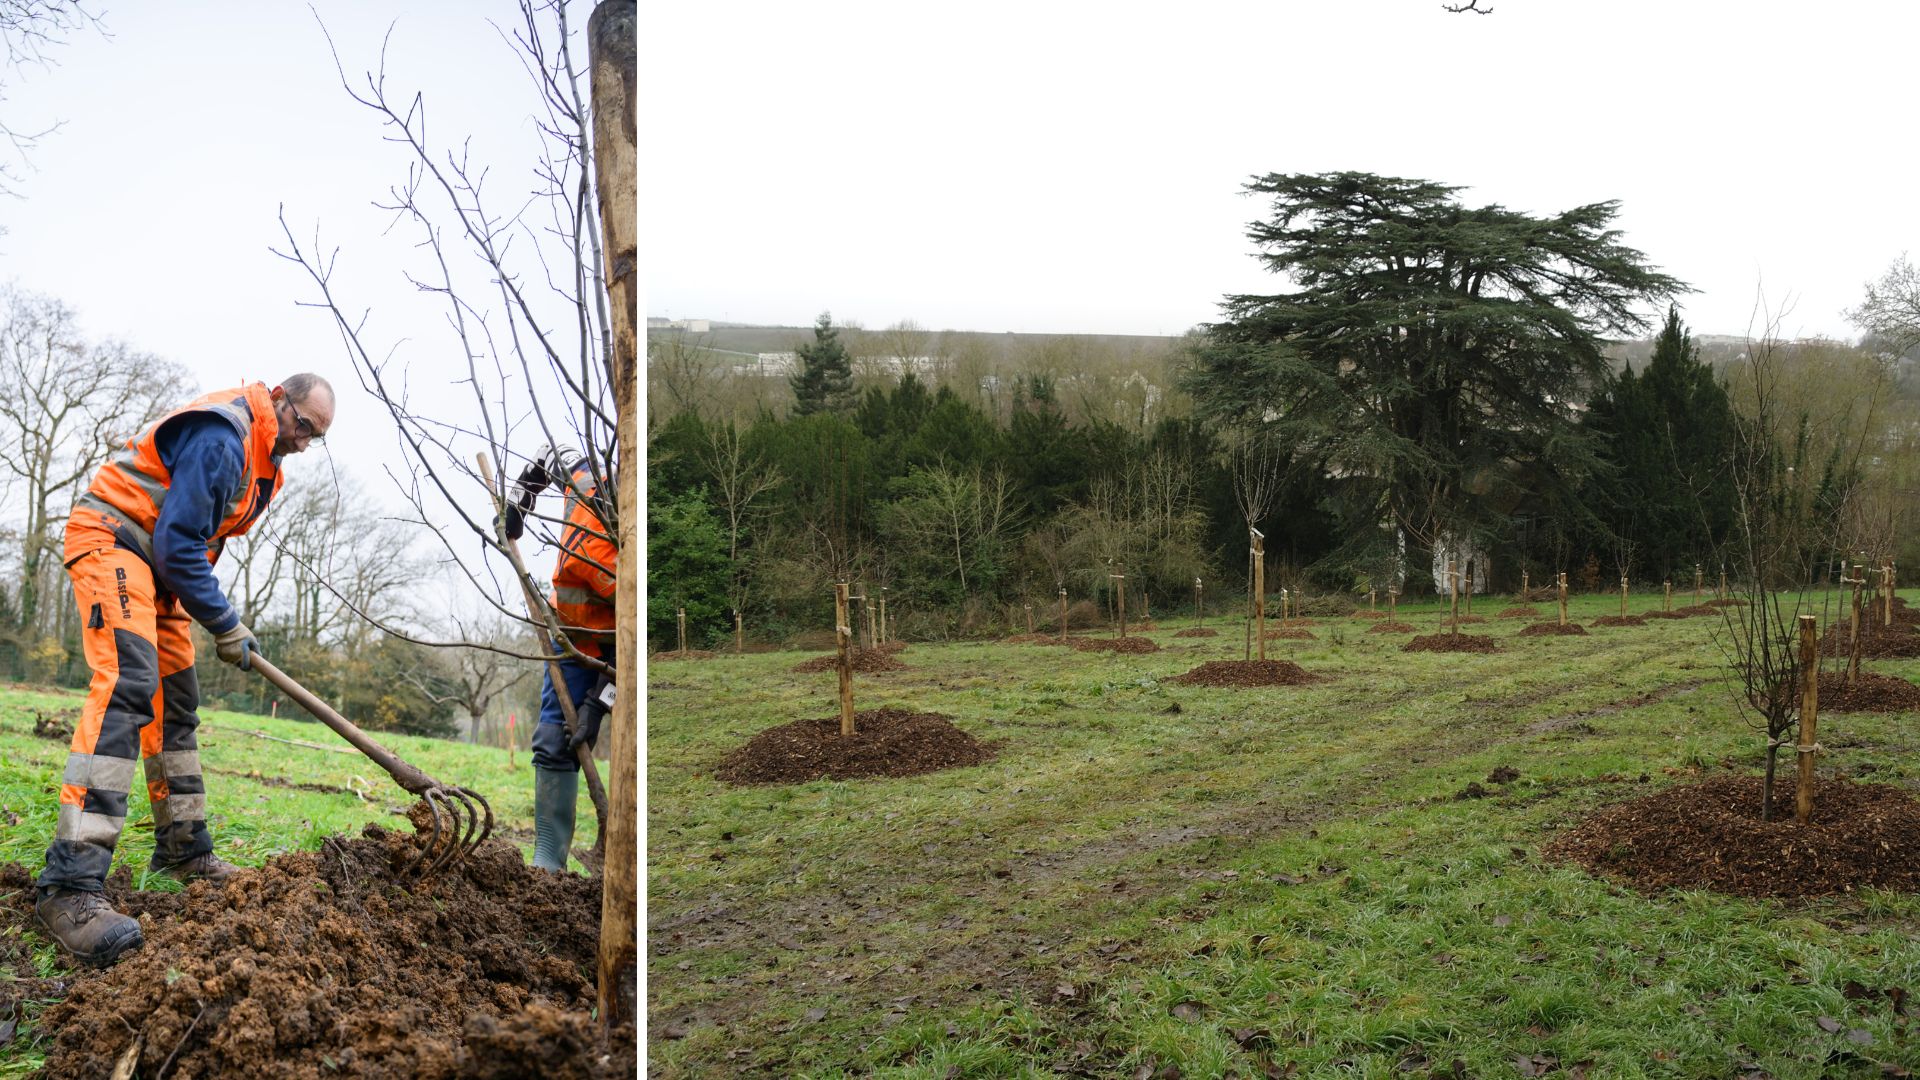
[(1552, 629), (1877, 642), (1119, 645), (886, 742), (1869, 692), (1619, 620), (1709, 835), (1522, 612), (1290, 635), (1197, 631), (1392, 628), (863, 661), (1473, 643), (1246, 673)]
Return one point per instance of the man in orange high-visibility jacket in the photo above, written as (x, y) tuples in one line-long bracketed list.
[(582, 599), (140, 548)]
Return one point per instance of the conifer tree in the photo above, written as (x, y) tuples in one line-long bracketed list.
[(824, 382)]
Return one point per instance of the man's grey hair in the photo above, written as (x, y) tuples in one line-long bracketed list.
[(300, 387)]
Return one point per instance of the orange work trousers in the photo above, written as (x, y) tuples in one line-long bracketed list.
[(142, 704)]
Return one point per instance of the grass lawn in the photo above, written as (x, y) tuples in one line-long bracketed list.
[(1160, 880), (254, 815)]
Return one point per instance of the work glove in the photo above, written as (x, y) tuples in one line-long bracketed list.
[(586, 719), (547, 466), (237, 646)]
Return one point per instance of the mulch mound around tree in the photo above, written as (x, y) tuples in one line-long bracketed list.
[(1869, 692), (1474, 643), (1246, 673), (1392, 628), (682, 654), (1552, 629), (885, 742), (1030, 639), (1296, 622), (1877, 642), (1731, 601), (1119, 645), (1692, 610), (1290, 635), (1197, 631), (1521, 612), (863, 661), (327, 963), (1709, 836), (1619, 620)]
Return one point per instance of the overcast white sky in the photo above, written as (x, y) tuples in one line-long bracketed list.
[(152, 210), (1076, 167)]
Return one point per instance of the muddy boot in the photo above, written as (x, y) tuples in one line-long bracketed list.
[(209, 866), (554, 793), (87, 926)]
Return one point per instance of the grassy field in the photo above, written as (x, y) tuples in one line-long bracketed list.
[(1152, 880), (252, 811)]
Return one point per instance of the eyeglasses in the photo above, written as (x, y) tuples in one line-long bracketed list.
[(304, 427)]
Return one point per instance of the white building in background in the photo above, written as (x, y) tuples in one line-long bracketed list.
[(691, 326)]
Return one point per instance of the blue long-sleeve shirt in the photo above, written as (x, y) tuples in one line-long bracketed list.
[(207, 461)]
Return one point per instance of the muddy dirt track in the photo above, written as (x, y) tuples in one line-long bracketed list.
[(325, 964)]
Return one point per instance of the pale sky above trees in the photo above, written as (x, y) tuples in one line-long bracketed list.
[(1076, 169)]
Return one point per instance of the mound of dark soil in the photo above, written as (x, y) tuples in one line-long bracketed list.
[(1692, 610), (679, 654), (1296, 622), (1730, 601), (885, 742), (1521, 612), (324, 963), (1503, 774), (863, 661), (1119, 645), (1709, 836), (1552, 629), (1869, 692), (1619, 620), (1391, 628), (1681, 614), (1451, 643), (55, 727), (1197, 631), (1290, 635), (1246, 673), (1877, 642)]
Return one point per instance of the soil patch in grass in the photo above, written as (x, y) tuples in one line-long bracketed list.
[(1473, 643), (1246, 673), (1392, 628), (1524, 611), (1296, 622), (1692, 610), (863, 661), (58, 727), (1709, 836), (1291, 635), (1677, 614), (1877, 642), (682, 654), (1119, 645), (1197, 631), (1869, 692), (326, 961), (1619, 620), (886, 742), (1552, 629)]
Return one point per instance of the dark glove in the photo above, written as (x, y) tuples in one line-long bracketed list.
[(237, 646), (586, 727)]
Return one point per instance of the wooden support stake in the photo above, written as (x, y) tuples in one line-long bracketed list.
[(1469, 585), (1886, 583), (1453, 594), (1284, 614), (1563, 597), (873, 632), (739, 634), (1523, 586), (1199, 605), (1063, 613), (1696, 584), (1809, 719), (1392, 595), (1120, 602), (842, 636), (1722, 594), (1623, 595), (1858, 580), (1029, 608), (883, 616), (683, 631), (1666, 604), (1370, 593), (1260, 591)]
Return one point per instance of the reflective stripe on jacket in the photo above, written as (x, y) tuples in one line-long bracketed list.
[(130, 489), (583, 579)]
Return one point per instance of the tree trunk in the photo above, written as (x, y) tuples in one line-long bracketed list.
[(612, 49)]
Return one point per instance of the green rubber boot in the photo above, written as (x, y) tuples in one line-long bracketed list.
[(554, 793)]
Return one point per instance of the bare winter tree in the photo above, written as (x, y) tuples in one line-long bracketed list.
[(29, 31), (740, 479), (1891, 308), (64, 405), (475, 679)]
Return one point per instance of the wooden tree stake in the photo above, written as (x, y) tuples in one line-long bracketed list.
[(1563, 597), (1887, 584), (873, 631), (1120, 602), (1696, 584), (884, 638), (1029, 608), (1453, 596), (1858, 580), (1623, 595), (683, 631), (1199, 605), (1370, 605), (739, 635), (1523, 586), (1468, 589), (1722, 594), (1259, 591), (842, 636), (1063, 613), (1666, 603), (1809, 719), (1284, 613), (1392, 595)]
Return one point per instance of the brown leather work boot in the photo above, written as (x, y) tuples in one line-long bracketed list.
[(211, 867), (87, 926)]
